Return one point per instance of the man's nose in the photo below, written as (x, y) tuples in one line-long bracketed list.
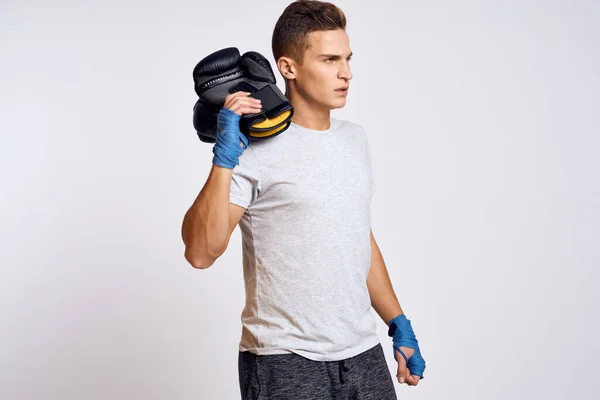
[(345, 72)]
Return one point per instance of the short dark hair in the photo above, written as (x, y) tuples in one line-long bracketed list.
[(298, 20)]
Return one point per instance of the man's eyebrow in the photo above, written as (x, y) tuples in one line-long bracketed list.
[(334, 55)]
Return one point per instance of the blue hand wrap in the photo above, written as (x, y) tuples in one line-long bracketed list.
[(227, 148), (401, 331)]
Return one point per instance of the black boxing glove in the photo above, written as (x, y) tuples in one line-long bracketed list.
[(224, 72)]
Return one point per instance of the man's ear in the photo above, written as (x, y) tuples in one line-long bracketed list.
[(287, 67)]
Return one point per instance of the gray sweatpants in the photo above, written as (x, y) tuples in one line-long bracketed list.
[(365, 376)]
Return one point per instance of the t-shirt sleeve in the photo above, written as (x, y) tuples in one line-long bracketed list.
[(245, 181)]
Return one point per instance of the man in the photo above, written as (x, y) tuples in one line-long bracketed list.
[(312, 267)]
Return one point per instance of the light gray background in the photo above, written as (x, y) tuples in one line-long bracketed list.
[(483, 122)]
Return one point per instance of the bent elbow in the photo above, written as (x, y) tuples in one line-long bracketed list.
[(199, 265), (198, 261)]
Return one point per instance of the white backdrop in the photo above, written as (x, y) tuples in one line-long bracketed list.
[(483, 121)]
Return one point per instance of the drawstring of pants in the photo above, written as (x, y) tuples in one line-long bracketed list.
[(342, 368)]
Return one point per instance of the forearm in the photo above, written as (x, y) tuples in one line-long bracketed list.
[(381, 291), (205, 226)]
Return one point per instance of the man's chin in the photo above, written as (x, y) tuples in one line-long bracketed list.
[(338, 104)]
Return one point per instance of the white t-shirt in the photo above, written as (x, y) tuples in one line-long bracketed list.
[(306, 242)]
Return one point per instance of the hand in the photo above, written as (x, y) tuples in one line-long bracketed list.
[(403, 373), (241, 103), (406, 351)]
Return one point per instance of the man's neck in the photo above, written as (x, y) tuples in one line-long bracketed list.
[(306, 115)]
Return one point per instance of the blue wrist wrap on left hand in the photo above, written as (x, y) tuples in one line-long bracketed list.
[(402, 333)]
